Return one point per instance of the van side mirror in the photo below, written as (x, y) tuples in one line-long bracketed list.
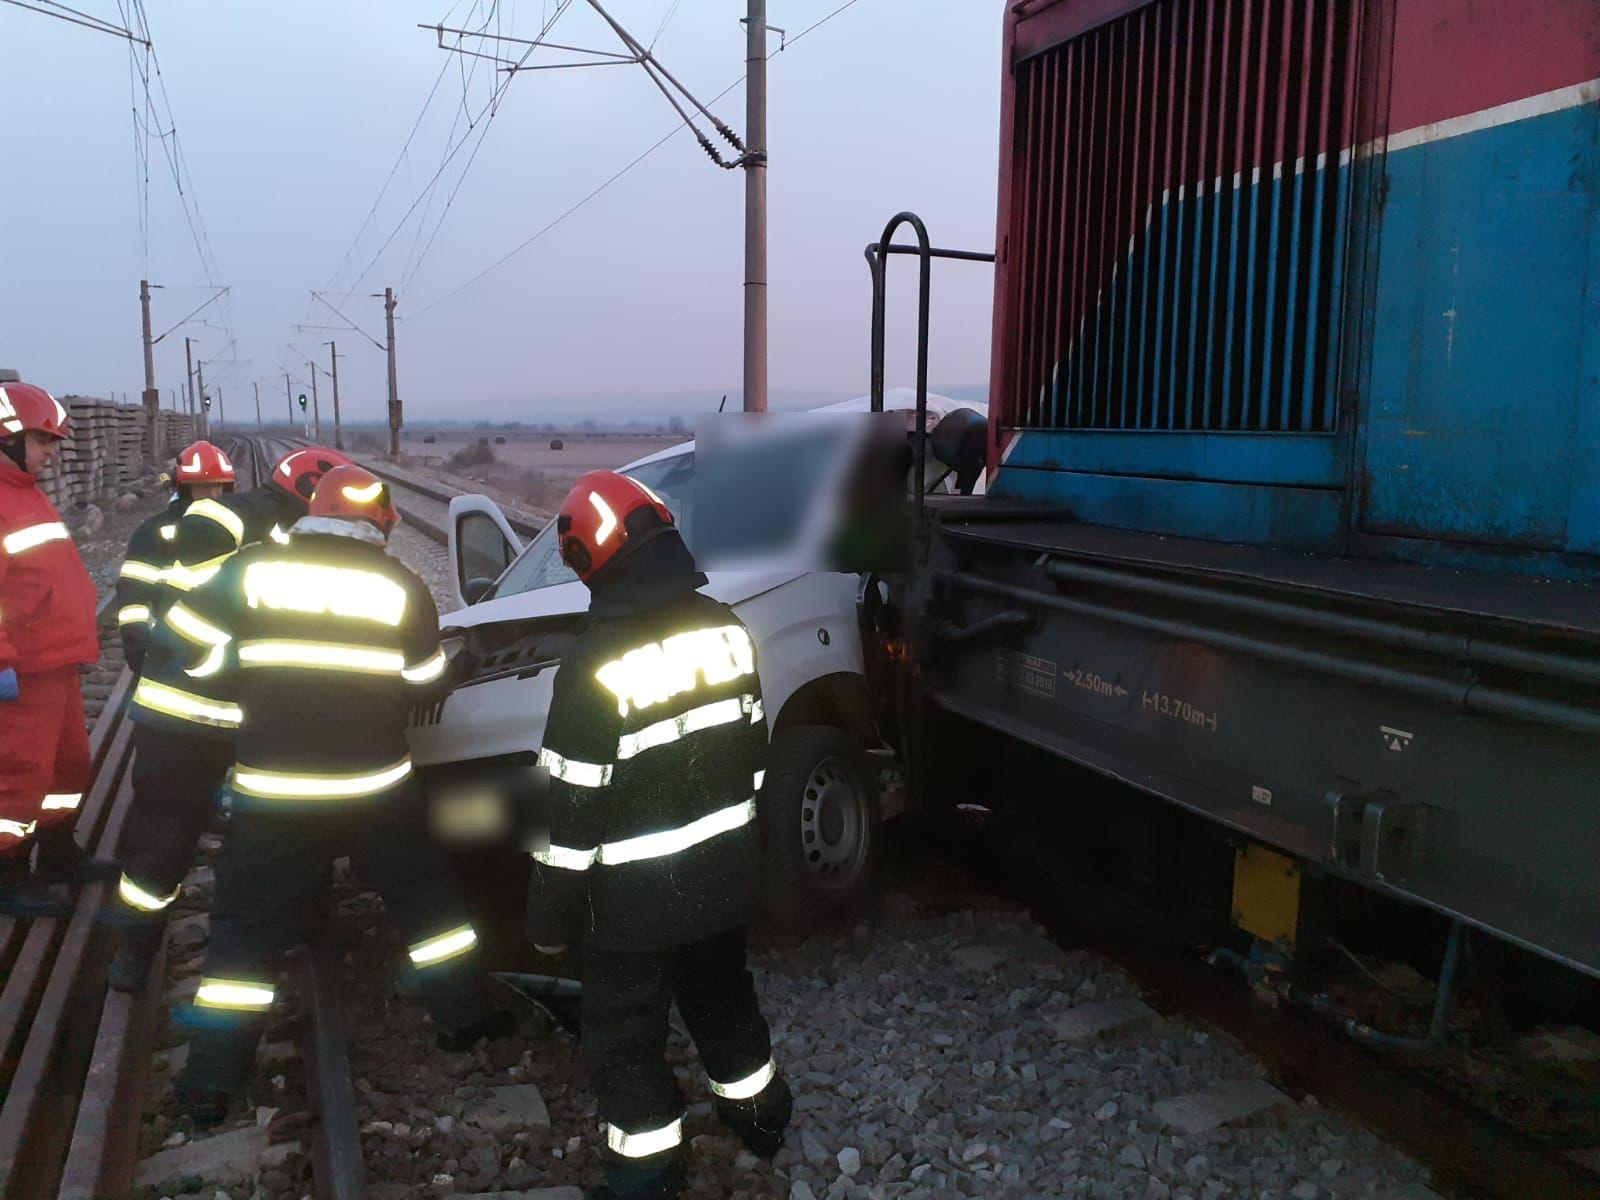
[(476, 589)]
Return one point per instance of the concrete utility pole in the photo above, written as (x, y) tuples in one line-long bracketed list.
[(188, 378), (316, 408), (755, 210), (338, 429), (222, 413), (200, 395), (395, 416), (288, 398), (152, 394), (258, 404)]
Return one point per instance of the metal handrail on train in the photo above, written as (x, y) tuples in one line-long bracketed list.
[(926, 252)]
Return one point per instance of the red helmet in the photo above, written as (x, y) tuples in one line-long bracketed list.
[(25, 406), (298, 471), (353, 492), (201, 462), (604, 516)]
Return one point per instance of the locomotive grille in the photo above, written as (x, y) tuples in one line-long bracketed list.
[(1179, 219)]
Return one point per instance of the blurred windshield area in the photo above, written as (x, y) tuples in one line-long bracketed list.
[(754, 491), (758, 483), (540, 565)]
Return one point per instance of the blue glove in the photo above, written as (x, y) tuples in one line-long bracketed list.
[(8, 684)]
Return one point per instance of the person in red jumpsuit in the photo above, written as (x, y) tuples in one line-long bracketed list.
[(47, 627)]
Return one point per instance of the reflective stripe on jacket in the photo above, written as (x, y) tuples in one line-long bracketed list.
[(140, 579), (322, 645), (177, 691), (654, 747)]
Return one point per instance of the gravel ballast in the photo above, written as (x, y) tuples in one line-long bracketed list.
[(930, 1054)]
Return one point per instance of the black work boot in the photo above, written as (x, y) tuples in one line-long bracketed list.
[(137, 944), (205, 1109), (759, 1122), (498, 1024), (26, 897), (62, 860), (628, 1181)]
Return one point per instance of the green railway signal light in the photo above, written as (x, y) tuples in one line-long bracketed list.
[(302, 402)]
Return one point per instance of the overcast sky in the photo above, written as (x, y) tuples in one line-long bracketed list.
[(290, 116)]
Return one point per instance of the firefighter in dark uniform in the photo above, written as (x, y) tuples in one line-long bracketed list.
[(655, 747), (324, 644), (183, 739), (202, 472)]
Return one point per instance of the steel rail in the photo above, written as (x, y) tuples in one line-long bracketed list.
[(340, 1171), (79, 1125), (402, 482), (54, 971)]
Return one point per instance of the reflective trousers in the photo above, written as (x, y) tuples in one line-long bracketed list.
[(44, 758), (277, 858), (626, 999), (176, 779)]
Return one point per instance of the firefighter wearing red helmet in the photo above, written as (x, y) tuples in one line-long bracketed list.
[(655, 746), (201, 472), (184, 728), (325, 643), (47, 628)]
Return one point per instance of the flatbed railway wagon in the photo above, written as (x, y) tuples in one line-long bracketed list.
[(1293, 505)]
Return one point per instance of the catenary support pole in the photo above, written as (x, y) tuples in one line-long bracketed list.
[(316, 405), (395, 415), (204, 414), (188, 378), (152, 394), (755, 210), (338, 427)]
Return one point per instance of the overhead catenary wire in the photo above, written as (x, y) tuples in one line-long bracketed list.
[(540, 233), (402, 157), (383, 190), (415, 260), (672, 11), (143, 62), (561, 7), (177, 161), (217, 294), (416, 265), (348, 323), (141, 146), (452, 154), (412, 260)]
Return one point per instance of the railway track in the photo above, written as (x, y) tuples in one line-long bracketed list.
[(75, 1056), (423, 503)]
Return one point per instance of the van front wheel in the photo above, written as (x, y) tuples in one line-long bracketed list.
[(820, 815)]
